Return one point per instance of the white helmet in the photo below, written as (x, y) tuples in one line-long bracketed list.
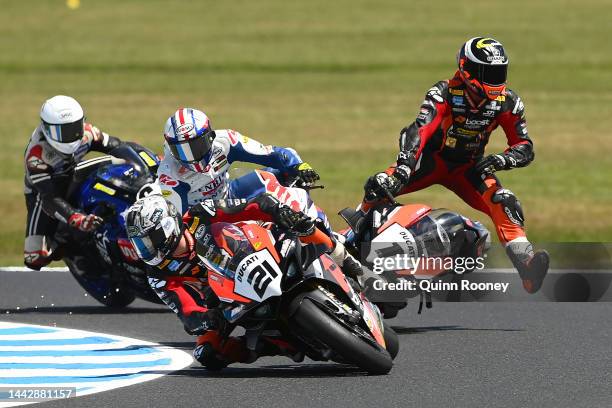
[(62, 123), (154, 227)]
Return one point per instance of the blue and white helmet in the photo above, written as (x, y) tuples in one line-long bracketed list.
[(62, 123), (189, 137)]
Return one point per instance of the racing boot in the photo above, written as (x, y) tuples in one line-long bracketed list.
[(531, 266), (40, 251), (216, 353), (349, 265), (36, 260), (275, 346)]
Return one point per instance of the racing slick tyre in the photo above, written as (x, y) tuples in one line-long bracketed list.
[(344, 342), (391, 341)]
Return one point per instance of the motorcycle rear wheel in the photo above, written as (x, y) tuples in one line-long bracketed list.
[(340, 339)]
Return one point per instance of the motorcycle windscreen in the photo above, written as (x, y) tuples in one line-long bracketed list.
[(126, 177), (221, 246)]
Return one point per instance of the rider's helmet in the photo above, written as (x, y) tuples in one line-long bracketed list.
[(62, 123), (189, 137), (483, 65), (154, 227)]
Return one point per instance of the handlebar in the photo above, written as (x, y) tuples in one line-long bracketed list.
[(307, 188), (390, 196)]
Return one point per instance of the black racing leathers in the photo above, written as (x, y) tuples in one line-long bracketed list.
[(48, 172)]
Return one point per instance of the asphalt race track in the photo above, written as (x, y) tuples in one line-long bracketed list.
[(454, 355)]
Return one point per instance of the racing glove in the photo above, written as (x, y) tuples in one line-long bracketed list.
[(295, 221), (495, 162), (85, 223), (306, 174), (403, 170), (377, 186)]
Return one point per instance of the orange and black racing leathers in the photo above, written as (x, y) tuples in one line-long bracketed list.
[(447, 140)]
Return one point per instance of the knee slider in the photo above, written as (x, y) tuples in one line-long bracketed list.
[(510, 204)]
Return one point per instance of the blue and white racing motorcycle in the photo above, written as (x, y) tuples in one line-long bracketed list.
[(104, 263)]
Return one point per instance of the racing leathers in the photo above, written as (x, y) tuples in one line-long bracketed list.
[(445, 145), (185, 188), (48, 175), (181, 280)]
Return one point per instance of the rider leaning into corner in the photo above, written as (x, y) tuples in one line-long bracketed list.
[(167, 241), (446, 143), (197, 159), (53, 155)]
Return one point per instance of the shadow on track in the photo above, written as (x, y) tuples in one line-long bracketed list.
[(85, 310), (313, 370), (179, 344), (416, 330)]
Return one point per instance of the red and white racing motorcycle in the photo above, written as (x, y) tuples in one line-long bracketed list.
[(426, 240), (268, 280)]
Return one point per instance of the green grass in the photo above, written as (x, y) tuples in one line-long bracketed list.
[(336, 80)]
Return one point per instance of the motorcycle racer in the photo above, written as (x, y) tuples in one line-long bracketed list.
[(446, 145), (167, 241), (53, 155), (197, 159)]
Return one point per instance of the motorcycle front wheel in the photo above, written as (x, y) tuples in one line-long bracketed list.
[(338, 337), (86, 271)]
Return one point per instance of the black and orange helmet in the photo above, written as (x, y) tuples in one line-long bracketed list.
[(483, 66)]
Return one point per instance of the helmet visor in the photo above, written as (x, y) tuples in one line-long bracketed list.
[(156, 242), (191, 150), (64, 133), (495, 74), (144, 248)]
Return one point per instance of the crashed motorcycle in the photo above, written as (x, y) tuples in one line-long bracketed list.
[(410, 242), (104, 263), (268, 281)]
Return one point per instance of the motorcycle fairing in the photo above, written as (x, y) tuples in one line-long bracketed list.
[(405, 215), (258, 276), (224, 288)]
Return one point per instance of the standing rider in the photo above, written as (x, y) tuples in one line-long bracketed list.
[(54, 152), (446, 143), (168, 242), (197, 159)]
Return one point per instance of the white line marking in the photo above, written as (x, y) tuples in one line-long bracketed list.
[(24, 269)]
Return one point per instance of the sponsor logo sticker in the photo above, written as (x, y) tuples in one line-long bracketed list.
[(458, 100)]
